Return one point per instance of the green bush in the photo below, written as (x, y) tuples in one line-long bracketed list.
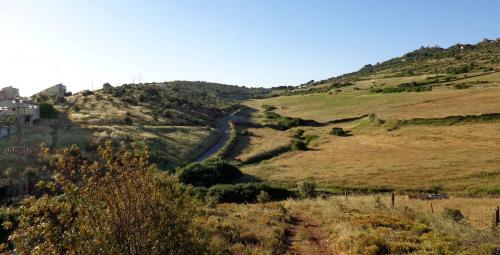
[(209, 173), (461, 86), (272, 115), (263, 197), (299, 145), (287, 123), (307, 189), (47, 111), (245, 193), (5, 220), (128, 120), (268, 108), (298, 133), (453, 214), (338, 131)]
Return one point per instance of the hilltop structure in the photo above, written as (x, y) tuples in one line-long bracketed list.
[(15, 111), (58, 90), (9, 93)]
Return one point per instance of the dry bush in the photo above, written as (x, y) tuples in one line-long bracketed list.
[(117, 204)]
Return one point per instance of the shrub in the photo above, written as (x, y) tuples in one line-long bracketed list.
[(209, 173), (47, 111), (245, 193), (298, 145), (6, 220), (272, 115), (298, 133), (453, 214), (287, 123), (307, 189), (309, 138), (263, 197), (107, 88), (338, 131), (127, 120), (76, 108), (118, 204), (461, 86), (268, 108)]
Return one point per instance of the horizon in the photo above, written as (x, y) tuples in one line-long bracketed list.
[(253, 44)]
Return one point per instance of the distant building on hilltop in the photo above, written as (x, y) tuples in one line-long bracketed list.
[(9, 93), (58, 90), (15, 111)]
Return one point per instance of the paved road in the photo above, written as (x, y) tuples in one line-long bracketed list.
[(225, 133)]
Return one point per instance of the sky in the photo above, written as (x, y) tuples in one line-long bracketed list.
[(85, 43)]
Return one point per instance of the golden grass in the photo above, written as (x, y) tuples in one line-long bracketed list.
[(367, 225), (440, 102), (260, 140), (173, 144), (461, 158), (248, 229), (478, 211), (107, 111)]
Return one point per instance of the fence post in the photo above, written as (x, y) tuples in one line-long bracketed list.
[(392, 199), (432, 208), (497, 217)]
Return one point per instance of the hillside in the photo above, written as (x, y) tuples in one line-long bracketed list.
[(409, 139), (321, 169), (452, 62), (176, 121)]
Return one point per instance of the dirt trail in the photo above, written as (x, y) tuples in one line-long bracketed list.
[(307, 237)]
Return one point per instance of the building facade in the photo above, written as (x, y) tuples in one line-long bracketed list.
[(58, 90), (15, 114), (9, 93)]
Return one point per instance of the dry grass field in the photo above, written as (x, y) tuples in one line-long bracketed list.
[(368, 225), (260, 140), (441, 102), (248, 229), (462, 158)]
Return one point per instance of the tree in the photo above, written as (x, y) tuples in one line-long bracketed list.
[(117, 204), (307, 189), (107, 88), (47, 111)]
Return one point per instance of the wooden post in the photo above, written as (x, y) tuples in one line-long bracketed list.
[(392, 199), (497, 217), (345, 194), (432, 208)]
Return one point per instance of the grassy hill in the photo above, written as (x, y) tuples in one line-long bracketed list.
[(409, 140), (175, 120)]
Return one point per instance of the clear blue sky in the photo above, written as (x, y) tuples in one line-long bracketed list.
[(251, 43)]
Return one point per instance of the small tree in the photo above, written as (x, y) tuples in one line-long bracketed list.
[(299, 133), (263, 197), (308, 189), (299, 145), (338, 131), (47, 111)]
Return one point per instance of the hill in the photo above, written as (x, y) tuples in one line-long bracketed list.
[(436, 63), (414, 123), (176, 121)]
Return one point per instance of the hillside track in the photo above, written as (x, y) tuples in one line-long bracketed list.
[(307, 237)]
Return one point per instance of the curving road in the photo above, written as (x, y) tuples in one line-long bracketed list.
[(225, 133)]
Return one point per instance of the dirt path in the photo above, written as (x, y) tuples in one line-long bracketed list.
[(307, 237)]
